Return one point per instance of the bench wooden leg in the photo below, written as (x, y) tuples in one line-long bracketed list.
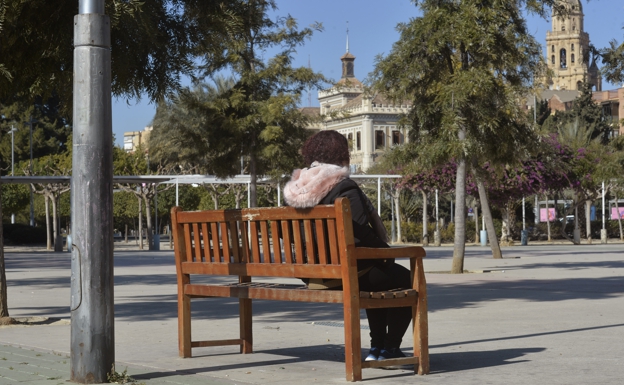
[(421, 339), (421, 335), (353, 342), (184, 325), (246, 334)]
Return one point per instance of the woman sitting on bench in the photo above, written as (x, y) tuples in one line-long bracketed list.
[(324, 180)]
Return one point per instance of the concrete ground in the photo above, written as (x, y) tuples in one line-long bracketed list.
[(545, 314)]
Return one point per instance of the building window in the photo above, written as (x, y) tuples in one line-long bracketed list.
[(562, 58), (572, 47), (379, 139), (572, 58), (579, 85), (358, 140), (350, 140), (396, 138), (552, 59), (552, 48), (563, 27), (606, 113)]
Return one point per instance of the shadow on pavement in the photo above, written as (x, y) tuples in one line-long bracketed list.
[(462, 343), (458, 361)]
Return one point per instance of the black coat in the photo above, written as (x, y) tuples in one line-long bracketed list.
[(360, 207)]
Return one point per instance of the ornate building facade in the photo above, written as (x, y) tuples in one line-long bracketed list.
[(568, 57), (369, 121)]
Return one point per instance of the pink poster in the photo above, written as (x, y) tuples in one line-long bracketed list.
[(614, 213), (551, 215)]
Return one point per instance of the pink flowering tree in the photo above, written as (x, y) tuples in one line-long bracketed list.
[(549, 171)]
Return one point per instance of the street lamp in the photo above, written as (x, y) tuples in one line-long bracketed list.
[(12, 131)]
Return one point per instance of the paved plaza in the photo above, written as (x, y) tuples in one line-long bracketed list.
[(545, 314)]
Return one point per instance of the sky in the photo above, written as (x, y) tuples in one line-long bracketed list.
[(372, 31)]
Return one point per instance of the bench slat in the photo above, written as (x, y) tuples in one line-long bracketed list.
[(333, 243), (298, 241), (188, 243), (391, 362), (206, 242), (309, 241), (321, 243), (288, 256), (380, 303), (392, 252), (244, 230), (205, 344), (266, 250), (197, 255), (262, 269), (255, 242), (234, 241), (251, 214), (216, 250), (225, 242), (268, 293), (275, 240)]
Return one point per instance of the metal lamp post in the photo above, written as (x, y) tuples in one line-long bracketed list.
[(30, 166), (12, 131), (92, 311)]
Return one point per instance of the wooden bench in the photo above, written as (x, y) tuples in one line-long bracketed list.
[(280, 242)]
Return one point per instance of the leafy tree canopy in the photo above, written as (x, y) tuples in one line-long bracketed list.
[(613, 60), (464, 65), (255, 116), (152, 45), (51, 133)]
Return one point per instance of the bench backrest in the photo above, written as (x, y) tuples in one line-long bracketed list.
[(282, 241)]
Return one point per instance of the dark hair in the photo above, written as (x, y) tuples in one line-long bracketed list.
[(326, 147)]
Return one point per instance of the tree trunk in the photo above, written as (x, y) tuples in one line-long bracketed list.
[(140, 234), (4, 307), (425, 220), (588, 221), (489, 221), (58, 243), (476, 218), (459, 245), (214, 194), (548, 219), (47, 215), (505, 229), (148, 219), (253, 177), (126, 233)]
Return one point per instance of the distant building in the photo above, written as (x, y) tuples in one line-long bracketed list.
[(568, 54), (134, 139), (568, 59), (369, 121)]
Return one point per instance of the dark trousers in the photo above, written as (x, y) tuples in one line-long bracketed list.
[(387, 326)]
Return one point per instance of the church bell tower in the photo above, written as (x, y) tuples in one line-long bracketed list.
[(568, 51)]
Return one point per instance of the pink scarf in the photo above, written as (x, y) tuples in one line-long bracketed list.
[(309, 185)]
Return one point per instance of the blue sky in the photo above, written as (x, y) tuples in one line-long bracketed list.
[(372, 31)]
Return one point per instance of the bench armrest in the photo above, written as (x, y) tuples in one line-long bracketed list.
[(393, 252)]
